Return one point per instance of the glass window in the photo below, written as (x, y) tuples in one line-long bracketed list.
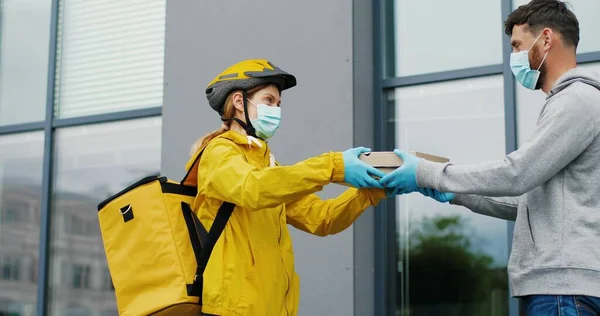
[(76, 310), (433, 36), (20, 197), (10, 308), (80, 278), (75, 224), (586, 12), (450, 261), (107, 284), (33, 273), (91, 164), (24, 42), (11, 268), (109, 312), (110, 56), (530, 103), (16, 211)]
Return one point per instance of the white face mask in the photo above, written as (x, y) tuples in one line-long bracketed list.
[(519, 65), (267, 120)]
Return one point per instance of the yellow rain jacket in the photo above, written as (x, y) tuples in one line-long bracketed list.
[(251, 269)]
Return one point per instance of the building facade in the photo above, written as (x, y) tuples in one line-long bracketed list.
[(96, 94)]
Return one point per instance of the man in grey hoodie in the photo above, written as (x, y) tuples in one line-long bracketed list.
[(550, 186)]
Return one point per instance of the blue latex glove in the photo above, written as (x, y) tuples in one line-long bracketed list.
[(358, 173), (393, 192), (442, 197), (404, 177)]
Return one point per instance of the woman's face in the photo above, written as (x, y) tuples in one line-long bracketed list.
[(268, 95)]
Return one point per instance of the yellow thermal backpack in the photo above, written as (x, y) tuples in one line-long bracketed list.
[(156, 247)]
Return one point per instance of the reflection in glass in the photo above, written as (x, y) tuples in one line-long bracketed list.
[(20, 197), (110, 56), (450, 261), (447, 272), (24, 42), (91, 164), (419, 35)]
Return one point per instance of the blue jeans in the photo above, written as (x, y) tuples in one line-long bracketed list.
[(561, 305)]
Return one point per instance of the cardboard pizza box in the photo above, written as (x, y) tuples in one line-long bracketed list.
[(388, 161)]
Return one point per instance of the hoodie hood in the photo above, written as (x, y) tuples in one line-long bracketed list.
[(577, 74)]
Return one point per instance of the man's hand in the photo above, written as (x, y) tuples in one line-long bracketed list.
[(390, 192), (405, 177), (442, 197)]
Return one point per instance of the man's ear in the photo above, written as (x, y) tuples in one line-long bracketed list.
[(238, 101), (548, 36)]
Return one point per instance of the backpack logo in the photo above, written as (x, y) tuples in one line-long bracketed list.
[(127, 212)]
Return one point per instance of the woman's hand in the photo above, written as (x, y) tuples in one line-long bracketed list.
[(358, 173)]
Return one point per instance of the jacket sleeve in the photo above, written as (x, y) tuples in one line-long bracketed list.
[(327, 217), (499, 207), (224, 174), (565, 129)]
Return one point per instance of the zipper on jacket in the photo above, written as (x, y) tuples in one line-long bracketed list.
[(287, 291), (289, 282)]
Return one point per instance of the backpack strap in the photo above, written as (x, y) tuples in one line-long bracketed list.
[(191, 176), (207, 240), (207, 247)]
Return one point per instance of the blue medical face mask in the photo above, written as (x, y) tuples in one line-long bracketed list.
[(519, 65), (266, 121)]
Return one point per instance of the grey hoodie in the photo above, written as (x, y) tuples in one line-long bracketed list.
[(550, 187)]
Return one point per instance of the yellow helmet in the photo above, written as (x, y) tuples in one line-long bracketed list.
[(244, 76)]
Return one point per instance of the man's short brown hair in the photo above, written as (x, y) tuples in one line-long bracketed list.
[(539, 14)]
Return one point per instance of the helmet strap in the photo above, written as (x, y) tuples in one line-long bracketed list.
[(247, 126)]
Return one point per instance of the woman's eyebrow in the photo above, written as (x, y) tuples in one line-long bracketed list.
[(268, 94)]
